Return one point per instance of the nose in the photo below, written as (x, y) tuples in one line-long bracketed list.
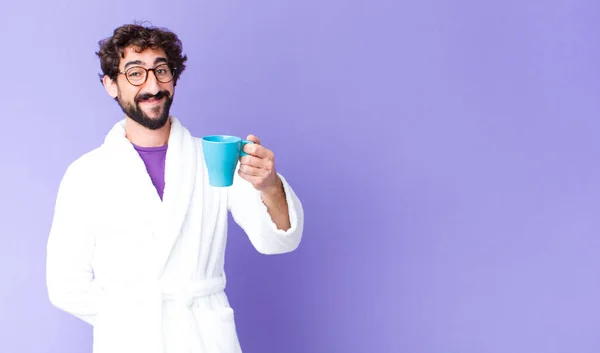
[(151, 85)]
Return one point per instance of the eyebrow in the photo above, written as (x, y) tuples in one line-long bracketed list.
[(139, 62)]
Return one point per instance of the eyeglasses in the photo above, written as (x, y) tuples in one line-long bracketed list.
[(138, 75)]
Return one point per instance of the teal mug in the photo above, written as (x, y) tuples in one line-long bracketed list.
[(221, 154)]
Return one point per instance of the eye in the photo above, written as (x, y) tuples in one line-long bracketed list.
[(136, 72)]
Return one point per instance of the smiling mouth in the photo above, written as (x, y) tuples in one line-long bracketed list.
[(152, 100)]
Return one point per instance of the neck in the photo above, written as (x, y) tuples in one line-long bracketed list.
[(144, 137)]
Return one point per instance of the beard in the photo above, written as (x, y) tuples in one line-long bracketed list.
[(136, 114)]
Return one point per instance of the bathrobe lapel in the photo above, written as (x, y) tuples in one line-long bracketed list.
[(180, 177), (166, 217)]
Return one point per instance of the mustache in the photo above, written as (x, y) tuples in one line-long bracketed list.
[(146, 96)]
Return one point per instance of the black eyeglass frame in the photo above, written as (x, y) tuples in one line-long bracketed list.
[(148, 74)]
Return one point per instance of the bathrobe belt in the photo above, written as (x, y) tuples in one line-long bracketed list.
[(186, 295), (181, 301), (144, 328)]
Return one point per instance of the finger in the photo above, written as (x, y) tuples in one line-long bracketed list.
[(247, 177), (252, 171), (257, 150), (257, 162), (254, 139), (266, 164)]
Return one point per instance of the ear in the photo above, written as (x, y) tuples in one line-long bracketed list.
[(110, 86)]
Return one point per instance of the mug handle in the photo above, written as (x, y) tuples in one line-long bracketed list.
[(244, 142)]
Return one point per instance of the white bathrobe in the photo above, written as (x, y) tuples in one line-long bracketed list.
[(148, 274)]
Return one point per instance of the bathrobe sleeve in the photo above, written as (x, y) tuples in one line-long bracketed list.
[(250, 213), (69, 277)]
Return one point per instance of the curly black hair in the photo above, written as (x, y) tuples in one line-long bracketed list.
[(140, 38)]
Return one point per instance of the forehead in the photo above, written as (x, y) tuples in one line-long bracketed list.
[(147, 57)]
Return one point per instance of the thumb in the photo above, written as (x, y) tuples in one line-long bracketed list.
[(253, 139)]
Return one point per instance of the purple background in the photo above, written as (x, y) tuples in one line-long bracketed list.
[(446, 154)]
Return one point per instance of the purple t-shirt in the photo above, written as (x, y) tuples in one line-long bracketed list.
[(154, 158)]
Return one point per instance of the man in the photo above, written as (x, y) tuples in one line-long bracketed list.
[(138, 238)]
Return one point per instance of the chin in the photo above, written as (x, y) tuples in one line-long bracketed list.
[(154, 114)]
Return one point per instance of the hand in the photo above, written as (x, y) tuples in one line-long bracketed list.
[(258, 167)]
